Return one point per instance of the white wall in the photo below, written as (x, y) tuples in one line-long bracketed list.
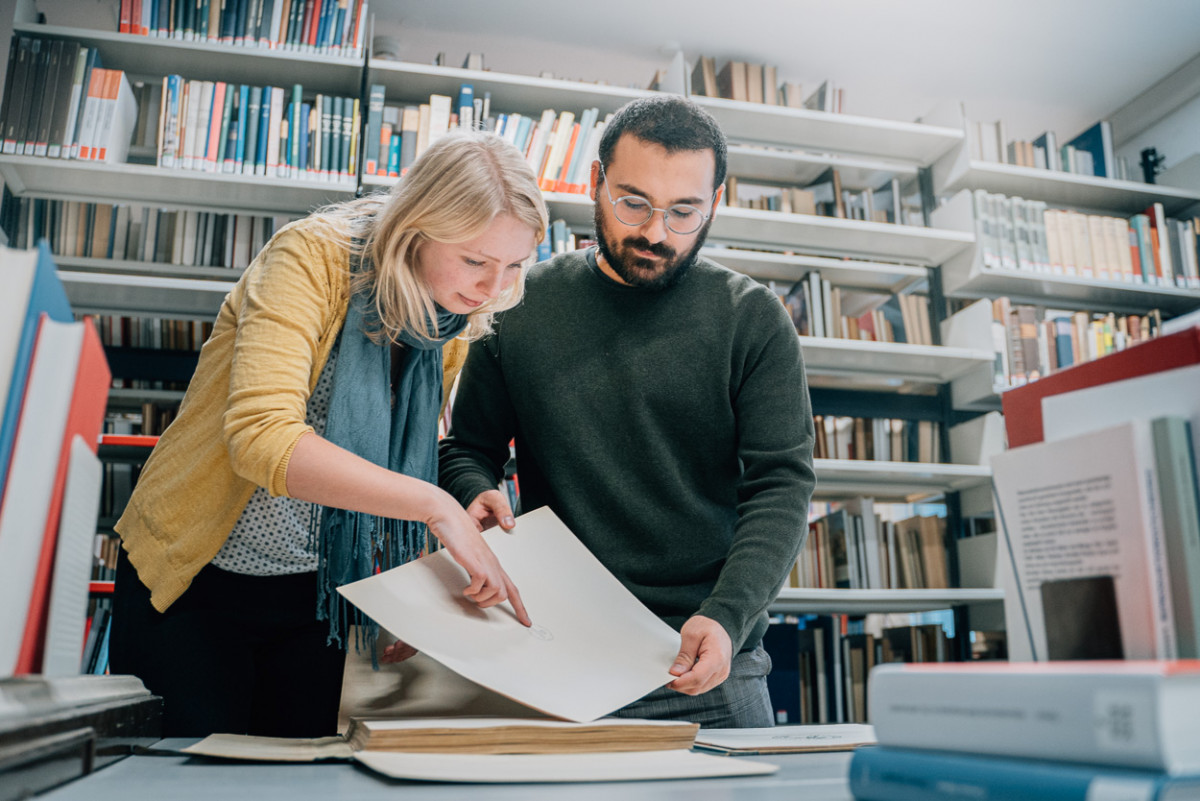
[(1177, 136)]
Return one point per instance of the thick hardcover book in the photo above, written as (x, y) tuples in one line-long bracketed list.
[(1136, 714), (33, 289), (84, 419), (900, 774)]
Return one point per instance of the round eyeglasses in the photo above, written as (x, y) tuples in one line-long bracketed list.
[(635, 210)]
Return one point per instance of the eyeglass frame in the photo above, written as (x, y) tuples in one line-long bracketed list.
[(666, 217)]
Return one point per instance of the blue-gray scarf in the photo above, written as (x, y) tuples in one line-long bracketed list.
[(399, 433)]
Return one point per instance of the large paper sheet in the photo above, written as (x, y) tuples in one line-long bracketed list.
[(593, 647), (496, 768)]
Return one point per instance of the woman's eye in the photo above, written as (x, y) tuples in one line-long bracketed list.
[(473, 263)]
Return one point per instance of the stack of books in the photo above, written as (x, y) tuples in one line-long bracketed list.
[(1034, 731)]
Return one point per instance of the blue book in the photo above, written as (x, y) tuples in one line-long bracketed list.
[(239, 156), (466, 106), (323, 27), (305, 113), (264, 132), (1097, 140), (393, 155), (1064, 353), (253, 116), (881, 773), (33, 286)]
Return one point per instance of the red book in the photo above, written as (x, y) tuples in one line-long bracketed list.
[(125, 17), (85, 419), (560, 181), (311, 22), (1023, 405)]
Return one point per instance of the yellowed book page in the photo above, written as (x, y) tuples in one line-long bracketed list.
[(593, 647), (506, 768), (271, 749)]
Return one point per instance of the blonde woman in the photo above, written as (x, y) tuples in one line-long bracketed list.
[(304, 453)]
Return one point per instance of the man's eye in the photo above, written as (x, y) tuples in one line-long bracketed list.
[(635, 204), (684, 212)]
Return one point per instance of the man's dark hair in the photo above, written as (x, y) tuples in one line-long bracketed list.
[(671, 121)]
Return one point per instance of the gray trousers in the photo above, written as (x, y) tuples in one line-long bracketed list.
[(741, 701)]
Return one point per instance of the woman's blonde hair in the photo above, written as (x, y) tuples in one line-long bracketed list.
[(450, 194)]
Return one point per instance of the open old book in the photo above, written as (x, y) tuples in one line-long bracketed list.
[(593, 649)]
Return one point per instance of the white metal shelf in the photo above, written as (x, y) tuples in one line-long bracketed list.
[(1064, 188), (966, 276), (821, 235), (523, 94), (835, 133), (848, 273), (904, 482), (928, 363), (126, 267), (154, 56), (861, 602), (177, 298), (799, 168), (70, 179)]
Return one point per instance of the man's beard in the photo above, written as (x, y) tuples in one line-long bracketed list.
[(637, 271)]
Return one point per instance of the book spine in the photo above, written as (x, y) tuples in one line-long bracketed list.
[(897, 774), (1097, 719)]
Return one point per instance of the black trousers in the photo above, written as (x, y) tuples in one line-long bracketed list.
[(234, 654)]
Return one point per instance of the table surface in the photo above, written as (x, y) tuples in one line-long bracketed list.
[(812, 777)]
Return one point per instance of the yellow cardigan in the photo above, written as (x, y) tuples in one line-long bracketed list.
[(244, 408)]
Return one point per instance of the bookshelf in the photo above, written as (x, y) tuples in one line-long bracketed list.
[(771, 144), (1061, 188), (831, 133), (793, 600), (80, 180)]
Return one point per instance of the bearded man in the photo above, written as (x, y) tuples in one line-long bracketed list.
[(659, 407)]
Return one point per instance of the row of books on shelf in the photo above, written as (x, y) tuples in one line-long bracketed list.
[(138, 232), (1031, 342), (877, 439), (54, 382), (1062, 731), (104, 552), (752, 82), (219, 127), (819, 309), (157, 333), (335, 27), (825, 197), (856, 548), (1089, 153), (559, 146), (59, 102), (821, 664), (1148, 248)]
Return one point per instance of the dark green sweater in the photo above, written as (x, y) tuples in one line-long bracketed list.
[(669, 429)]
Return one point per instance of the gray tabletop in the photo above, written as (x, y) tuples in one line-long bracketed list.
[(810, 777)]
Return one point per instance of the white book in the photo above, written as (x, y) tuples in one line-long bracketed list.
[(191, 116), (241, 242), (67, 611), (93, 96), (190, 229), (1138, 714), (439, 117), (1068, 509), (273, 128), (539, 140), (30, 483), (120, 116)]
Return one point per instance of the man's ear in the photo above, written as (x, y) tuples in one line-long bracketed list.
[(720, 193), (595, 178)]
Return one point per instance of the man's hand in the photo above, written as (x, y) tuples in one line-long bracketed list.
[(704, 656), (491, 509)]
